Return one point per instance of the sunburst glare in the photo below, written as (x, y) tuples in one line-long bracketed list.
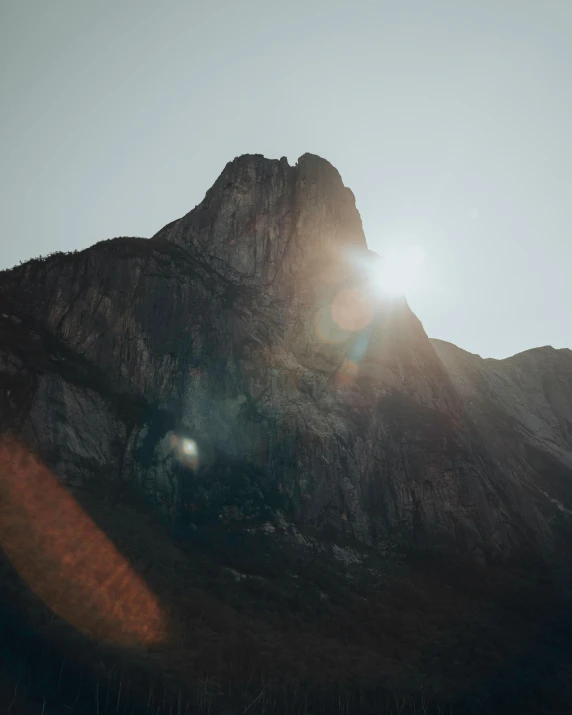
[(400, 270)]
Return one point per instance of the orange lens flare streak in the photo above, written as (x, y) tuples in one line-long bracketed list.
[(66, 559)]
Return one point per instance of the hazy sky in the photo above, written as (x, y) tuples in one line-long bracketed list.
[(450, 121)]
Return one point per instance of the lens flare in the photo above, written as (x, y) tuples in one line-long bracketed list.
[(185, 449), (326, 328), (189, 447), (399, 271), (66, 559), (352, 309)]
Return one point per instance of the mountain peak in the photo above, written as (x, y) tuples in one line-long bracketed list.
[(265, 222)]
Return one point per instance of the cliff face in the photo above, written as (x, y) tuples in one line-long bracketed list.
[(238, 365), (523, 408), (270, 224)]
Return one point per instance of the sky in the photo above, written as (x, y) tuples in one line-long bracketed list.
[(450, 121)]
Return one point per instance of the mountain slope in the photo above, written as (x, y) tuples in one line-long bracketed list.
[(523, 407), (249, 327)]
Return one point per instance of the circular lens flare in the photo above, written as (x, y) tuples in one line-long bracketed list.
[(352, 309), (185, 449), (189, 448)]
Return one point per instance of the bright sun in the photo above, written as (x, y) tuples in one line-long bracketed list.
[(400, 269)]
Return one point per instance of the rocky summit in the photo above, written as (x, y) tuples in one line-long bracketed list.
[(239, 368)]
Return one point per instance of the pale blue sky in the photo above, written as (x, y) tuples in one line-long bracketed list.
[(451, 122)]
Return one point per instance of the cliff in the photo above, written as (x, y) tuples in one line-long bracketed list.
[(238, 368)]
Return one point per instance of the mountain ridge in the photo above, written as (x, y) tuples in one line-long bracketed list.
[(509, 357)]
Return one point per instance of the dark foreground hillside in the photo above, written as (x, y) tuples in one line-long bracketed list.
[(275, 621)]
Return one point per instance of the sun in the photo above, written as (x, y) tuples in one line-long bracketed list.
[(399, 270)]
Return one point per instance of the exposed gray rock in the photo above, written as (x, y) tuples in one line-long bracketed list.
[(237, 365), (270, 224), (522, 408), (345, 554)]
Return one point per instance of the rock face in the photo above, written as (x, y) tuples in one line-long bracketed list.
[(523, 408), (238, 366), (269, 224)]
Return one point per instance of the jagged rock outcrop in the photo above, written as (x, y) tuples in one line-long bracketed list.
[(249, 327), (267, 223)]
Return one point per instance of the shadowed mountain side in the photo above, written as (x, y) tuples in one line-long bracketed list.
[(249, 327), (283, 621), (523, 407), (377, 446)]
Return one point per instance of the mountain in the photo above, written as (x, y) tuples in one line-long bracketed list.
[(239, 379), (245, 326), (522, 407)]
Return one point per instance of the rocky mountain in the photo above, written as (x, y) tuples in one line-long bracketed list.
[(240, 367)]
